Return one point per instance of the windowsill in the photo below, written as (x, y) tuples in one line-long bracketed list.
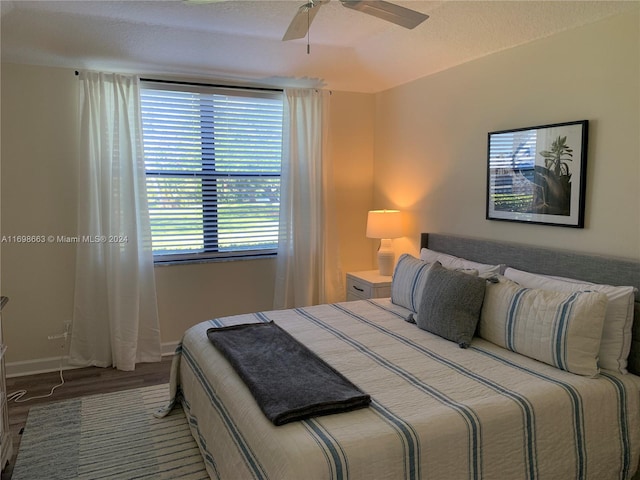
[(167, 263)]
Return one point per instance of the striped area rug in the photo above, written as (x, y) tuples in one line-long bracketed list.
[(109, 436)]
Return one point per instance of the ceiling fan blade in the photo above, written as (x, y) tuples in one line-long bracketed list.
[(390, 12), (299, 26)]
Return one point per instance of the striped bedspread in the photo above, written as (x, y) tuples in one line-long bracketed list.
[(437, 411)]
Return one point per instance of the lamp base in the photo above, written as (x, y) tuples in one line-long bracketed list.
[(386, 257)]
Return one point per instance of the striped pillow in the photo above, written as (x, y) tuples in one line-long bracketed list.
[(558, 328), (408, 282), (618, 320)]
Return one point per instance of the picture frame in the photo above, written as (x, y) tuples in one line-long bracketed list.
[(538, 174)]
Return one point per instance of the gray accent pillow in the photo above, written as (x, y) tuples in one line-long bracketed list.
[(450, 305)]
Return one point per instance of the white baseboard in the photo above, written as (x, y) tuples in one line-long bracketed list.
[(33, 367), (169, 348), (52, 364)]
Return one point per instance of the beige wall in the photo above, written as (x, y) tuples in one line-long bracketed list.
[(351, 147), (38, 175), (39, 195), (431, 137)]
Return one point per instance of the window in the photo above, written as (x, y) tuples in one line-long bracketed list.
[(213, 159)]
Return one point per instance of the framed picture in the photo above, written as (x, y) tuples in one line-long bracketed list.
[(538, 174)]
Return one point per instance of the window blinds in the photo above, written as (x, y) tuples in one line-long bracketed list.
[(213, 161)]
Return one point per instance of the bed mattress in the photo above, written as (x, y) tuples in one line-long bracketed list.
[(437, 411)]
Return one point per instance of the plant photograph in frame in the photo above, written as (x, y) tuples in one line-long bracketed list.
[(538, 174)]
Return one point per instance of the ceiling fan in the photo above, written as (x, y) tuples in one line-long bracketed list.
[(405, 17), (299, 26)]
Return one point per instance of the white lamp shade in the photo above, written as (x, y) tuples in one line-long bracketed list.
[(384, 224)]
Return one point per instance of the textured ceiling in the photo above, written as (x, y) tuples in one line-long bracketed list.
[(241, 40)]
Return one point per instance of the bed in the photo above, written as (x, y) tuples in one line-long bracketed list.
[(437, 411)]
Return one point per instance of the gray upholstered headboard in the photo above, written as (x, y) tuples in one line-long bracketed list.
[(546, 261)]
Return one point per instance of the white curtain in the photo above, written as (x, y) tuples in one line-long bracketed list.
[(308, 267), (115, 318)]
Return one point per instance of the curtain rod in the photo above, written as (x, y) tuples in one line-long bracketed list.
[(198, 84)]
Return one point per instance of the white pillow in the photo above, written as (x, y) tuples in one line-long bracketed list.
[(562, 329), (452, 262), (618, 322)]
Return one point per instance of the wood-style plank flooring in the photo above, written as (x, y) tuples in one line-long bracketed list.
[(77, 383)]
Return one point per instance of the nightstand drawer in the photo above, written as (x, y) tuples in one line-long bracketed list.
[(358, 288), (367, 284)]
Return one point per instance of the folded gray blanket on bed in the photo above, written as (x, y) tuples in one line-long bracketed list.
[(288, 380)]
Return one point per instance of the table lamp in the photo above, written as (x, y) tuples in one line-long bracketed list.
[(385, 225)]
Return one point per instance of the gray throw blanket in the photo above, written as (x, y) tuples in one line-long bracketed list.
[(288, 380)]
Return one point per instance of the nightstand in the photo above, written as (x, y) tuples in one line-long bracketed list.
[(367, 284)]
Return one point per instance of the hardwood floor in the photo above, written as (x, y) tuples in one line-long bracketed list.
[(77, 383)]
